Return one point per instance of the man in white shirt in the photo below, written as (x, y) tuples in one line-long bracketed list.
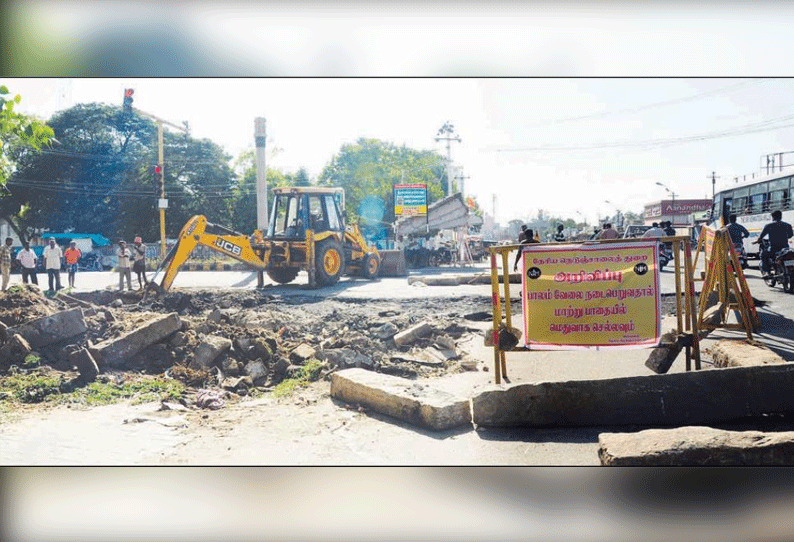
[(655, 231), (27, 259), (52, 262), (125, 255)]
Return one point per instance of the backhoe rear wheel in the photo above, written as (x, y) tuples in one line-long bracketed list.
[(329, 262), (370, 266), (283, 275)]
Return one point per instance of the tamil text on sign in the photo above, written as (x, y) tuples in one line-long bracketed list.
[(410, 199), (591, 296)]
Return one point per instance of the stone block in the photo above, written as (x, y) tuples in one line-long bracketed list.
[(85, 363), (412, 333), (727, 353), (14, 352), (301, 353), (208, 351), (386, 331), (52, 329), (406, 400), (691, 398), (255, 369), (662, 357), (696, 446), (116, 352)]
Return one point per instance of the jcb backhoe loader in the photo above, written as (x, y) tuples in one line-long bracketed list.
[(306, 232)]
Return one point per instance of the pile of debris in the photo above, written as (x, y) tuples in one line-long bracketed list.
[(235, 341)]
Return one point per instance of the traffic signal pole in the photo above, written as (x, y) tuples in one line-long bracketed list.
[(162, 202)]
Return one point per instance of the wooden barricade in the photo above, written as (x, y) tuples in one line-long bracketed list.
[(686, 311), (724, 275)]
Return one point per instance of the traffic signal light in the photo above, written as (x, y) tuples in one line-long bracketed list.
[(128, 92), (158, 172)]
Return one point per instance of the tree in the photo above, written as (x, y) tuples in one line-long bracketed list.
[(243, 202), (302, 178), (100, 177), (371, 167), (20, 135)]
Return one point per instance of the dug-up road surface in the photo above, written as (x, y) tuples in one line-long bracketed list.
[(311, 428)]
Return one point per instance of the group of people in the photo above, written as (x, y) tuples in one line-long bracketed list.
[(54, 257)]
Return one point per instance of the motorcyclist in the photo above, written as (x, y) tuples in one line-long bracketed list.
[(737, 233), (779, 233), (559, 237)]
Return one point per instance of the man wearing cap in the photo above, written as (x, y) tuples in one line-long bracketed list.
[(72, 255), (124, 255), (139, 261), (52, 261)]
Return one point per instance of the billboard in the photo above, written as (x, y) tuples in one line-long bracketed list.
[(410, 199), (591, 296)]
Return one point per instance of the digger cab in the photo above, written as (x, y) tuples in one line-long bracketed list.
[(296, 209)]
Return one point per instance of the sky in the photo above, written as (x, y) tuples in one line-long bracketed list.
[(564, 145), (590, 122)]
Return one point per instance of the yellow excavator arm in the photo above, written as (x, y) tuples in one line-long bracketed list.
[(197, 231)]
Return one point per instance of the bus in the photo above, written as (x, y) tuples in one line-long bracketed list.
[(752, 202)]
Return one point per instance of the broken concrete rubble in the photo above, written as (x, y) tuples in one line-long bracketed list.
[(14, 352), (208, 351), (696, 446), (739, 353), (115, 352), (406, 400), (387, 331), (85, 364), (255, 369), (301, 353), (411, 334), (52, 329)]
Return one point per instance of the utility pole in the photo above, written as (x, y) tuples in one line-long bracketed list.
[(462, 183), (449, 129), (162, 203), (260, 138), (714, 178)]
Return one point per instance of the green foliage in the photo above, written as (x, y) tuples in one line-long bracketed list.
[(31, 361), (43, 385), (371, 167), (310, 372), (20, 135), (242, 205), (100, 177)]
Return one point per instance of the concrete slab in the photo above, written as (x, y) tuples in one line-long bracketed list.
[(52, 329), (740, 353), (115, 352), (696, 446), (671, 399), (419, 404)]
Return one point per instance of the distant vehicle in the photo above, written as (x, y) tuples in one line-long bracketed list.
[(752, 202), (478, 247), (635, 230)]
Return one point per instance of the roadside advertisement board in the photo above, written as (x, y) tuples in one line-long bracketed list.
[(577, 297), (410, 199)]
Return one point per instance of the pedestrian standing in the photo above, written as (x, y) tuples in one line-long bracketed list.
[(5, 261), (608, 232), (72, 256), (52, 261), (27, 259), (529, 238), (124, 256), (559, 237), (139, 261)]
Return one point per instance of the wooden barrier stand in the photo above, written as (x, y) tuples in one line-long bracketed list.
[(686, 319)]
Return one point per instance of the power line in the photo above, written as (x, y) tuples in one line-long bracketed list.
[(648, 106), (762, 126)]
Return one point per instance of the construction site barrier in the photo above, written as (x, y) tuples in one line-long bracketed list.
[(503, 335)]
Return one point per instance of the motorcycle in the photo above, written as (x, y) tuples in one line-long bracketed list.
[(665, 255), (782, 267), (442, 255)]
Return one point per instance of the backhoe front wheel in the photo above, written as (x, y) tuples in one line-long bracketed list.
[(370, 266), (283, 275), (329, 262)]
